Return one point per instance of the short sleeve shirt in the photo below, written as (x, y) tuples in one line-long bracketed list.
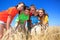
[(22, 17)]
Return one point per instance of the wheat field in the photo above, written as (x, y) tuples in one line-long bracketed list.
[(51, 33)]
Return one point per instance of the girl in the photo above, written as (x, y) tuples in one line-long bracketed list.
[(7, 16), (43, 17), (22, 7)]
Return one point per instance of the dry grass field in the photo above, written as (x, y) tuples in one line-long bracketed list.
[(51, 33)]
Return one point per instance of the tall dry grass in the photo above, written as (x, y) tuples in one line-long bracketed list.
[(52, 33)]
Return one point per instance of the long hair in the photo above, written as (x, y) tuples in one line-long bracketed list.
[(44, 15), (20, 3), (23, 6)]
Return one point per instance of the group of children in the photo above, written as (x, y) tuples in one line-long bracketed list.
[(30, 16), (27, 16)]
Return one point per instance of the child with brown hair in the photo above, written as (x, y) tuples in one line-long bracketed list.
[(43, 17), (22, 19), (7, 16)]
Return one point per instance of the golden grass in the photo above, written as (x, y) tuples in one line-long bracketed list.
[(52, 33)]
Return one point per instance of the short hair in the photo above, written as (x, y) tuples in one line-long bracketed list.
[(27, 8), (33, 6)]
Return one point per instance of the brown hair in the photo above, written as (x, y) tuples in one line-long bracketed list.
[(45, 14), (27, 8), (23, 6), (33, 6), (20, 3)]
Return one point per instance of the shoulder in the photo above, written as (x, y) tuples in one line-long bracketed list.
[(12, 9), (32, 16), (46, 15)]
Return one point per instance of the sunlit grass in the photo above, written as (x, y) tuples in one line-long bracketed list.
[(52, 33)]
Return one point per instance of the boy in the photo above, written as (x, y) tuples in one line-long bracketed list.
[(22, 18), (32, 11)]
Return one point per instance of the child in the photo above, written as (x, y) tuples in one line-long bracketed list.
[(22, 18), (32, 11), (22, 7), (43, 17), (7, 16)]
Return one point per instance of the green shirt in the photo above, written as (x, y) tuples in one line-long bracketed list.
[(22, 17)]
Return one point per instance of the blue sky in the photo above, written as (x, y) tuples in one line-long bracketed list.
[(52, 7)]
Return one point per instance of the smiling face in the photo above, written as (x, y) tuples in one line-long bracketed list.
[(32, 9), (41, 13), (27, 12), (20, 6)]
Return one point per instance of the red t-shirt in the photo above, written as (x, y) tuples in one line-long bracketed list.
[(4, 14), (30, 14), (12, 12)]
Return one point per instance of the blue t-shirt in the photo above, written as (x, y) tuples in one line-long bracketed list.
[(34, 20)]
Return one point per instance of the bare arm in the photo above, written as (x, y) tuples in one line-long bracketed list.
[(25, 25), (8, 22), (17, 25)]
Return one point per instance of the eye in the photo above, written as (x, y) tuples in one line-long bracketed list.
[(40, 12), (32, 10), (22, 6)]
